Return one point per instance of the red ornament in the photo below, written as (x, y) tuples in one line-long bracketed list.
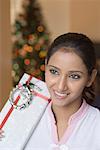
[(27, 61)]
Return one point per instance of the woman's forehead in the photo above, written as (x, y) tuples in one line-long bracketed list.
[(66, 60)]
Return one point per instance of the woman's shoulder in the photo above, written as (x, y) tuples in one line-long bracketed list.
[(94, 109), (95, 113), (96, 124)]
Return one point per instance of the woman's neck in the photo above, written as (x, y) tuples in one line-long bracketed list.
[(63, 113)]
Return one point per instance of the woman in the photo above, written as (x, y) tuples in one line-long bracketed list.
[(69, 122)]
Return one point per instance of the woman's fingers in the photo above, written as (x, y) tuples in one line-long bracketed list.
[(1, 134)]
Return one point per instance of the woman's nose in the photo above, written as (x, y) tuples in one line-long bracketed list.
[(62, 84)]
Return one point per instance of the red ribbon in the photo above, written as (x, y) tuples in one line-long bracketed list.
[(9, 112)]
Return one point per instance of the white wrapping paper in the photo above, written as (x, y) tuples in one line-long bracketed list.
[(19, 119)]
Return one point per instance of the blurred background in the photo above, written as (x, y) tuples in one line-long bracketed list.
[(28, 26)]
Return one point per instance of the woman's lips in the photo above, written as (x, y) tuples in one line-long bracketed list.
[(60, 95)]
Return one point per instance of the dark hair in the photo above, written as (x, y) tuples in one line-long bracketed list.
[(82, 46)]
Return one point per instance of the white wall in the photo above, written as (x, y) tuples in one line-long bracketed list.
[(85, 17), (56, 14), (68, 15), (72, 15)]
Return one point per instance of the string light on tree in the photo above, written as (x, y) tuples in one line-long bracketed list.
[(30, 40)]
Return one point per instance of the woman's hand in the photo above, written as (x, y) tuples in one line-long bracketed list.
[(1, 134)]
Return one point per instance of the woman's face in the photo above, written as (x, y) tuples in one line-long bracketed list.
[(66, 76)]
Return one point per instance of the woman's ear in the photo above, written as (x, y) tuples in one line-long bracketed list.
[(92, 78)]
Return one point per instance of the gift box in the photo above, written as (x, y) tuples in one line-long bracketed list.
[(22, 112)]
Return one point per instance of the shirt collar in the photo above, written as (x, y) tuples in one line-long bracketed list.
[(73, 118)]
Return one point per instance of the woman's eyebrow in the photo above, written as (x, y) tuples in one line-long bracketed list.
[(76, 71), (53, 67)]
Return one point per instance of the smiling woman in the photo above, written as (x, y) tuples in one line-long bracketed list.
[(69, 73)]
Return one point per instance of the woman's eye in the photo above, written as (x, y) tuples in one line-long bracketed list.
[(53, 71), (74, 76)]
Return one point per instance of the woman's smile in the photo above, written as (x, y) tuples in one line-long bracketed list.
[(60, 95)]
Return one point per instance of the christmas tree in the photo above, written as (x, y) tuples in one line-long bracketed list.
[(30, 40)]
